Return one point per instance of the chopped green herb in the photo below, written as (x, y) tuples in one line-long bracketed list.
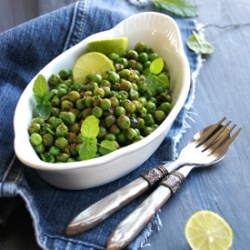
[(107, 147)]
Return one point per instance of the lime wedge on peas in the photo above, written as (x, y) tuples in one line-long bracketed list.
[(116, 45), (91, 63)]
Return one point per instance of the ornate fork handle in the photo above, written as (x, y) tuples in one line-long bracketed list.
[(131, 226), (102, 209)]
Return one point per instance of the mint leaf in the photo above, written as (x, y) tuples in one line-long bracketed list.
[(40, 86), (107, 147), (156, 66), (44, 110), (152, 82), (181, 8), (199, 44), (163, 80), (48, 96), (39, 99), (90, 127), (88, 148)]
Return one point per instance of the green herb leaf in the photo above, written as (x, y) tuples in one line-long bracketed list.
[(48, 96), (181, 8), (156, 66), (39, 99), (163, 80), (44, 110), (152, 82), (88, 148), (90, 127), (40, 86), (107, 147), (199, 44)]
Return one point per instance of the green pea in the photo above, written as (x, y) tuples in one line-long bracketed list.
[(62, 157), (159, 116), (113, 56), (74, 128), (68, 117), (34, 128), (36, 139), (123, 122), (114, 129), (38, 120), (132, 54), (153, 56), (119, 111), (140, 47), (53, 150), (102, 132), (48, 139), (130, 107), (74, 96), (55, 79), (130, 134), (105, 104), (40, 148), (110, 120), (143, 57), (99, 92), (110, 137), (61, 143), (65, 73), (61, 130), (94, 78), (97, 112)]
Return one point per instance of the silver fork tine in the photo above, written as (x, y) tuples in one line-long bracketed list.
[(218, 137), (210, 141), (227, 143), (209, 132)]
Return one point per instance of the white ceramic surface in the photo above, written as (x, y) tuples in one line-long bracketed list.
[(158, 31)]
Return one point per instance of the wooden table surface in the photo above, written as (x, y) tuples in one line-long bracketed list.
[(222, 89)]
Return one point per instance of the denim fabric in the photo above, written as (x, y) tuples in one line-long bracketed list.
[(25, 50)]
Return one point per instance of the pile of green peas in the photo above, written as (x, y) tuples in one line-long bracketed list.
[(127, 109)]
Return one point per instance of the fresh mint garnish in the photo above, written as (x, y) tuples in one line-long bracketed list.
[(156, 66), (42, 97), (155, 78), (89, 132), (107, 147), (199, 44), (181, 8)]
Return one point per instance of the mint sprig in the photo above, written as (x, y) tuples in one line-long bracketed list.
[(155, 77), (42, 97), (89, 133)]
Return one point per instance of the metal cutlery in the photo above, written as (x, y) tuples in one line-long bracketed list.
[(131, 226), (102, 209)]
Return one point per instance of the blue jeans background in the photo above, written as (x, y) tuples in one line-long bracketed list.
[(25, 50)]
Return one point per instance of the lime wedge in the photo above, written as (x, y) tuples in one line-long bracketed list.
[(91, 63), (116, 45), (208, 230)]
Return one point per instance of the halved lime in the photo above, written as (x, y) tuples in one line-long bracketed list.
[(91, 63), (207, 230), (116, 45)]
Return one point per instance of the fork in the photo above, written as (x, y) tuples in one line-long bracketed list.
[(102, 209), (131, 226)]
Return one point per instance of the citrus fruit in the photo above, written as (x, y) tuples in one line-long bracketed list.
[(207, 230), (116, 45), (91, 63)]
